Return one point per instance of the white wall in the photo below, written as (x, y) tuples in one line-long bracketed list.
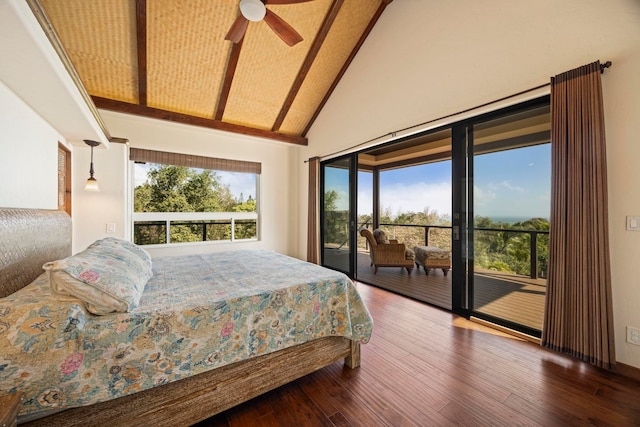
[(28, 156), (275, 196), (426, 59), (33, 70), (93, 210)]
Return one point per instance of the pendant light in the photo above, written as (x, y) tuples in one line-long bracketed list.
[(92, 183)]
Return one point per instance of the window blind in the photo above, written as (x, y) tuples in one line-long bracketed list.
[(192, 161)]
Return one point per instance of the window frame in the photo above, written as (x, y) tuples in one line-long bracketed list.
[(192, 161)]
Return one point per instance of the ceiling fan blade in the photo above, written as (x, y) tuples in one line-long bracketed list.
[(285, 1), (282, 29), (237, 30)]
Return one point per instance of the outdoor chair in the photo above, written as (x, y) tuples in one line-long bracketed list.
[(387, 253)]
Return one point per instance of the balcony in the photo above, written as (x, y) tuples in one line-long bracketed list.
[(515, 297)]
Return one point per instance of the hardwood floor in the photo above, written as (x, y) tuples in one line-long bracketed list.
[(425, 366)]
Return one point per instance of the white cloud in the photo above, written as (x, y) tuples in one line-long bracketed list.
[(483, 197), (365, 202), (140, 173), (244, 183), (416, 197), (509, 186)]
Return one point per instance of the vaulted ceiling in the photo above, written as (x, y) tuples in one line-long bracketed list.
[(169, 59)]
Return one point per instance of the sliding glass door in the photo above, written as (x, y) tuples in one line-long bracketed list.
[(338, 210), (503, 211), (497, 228)]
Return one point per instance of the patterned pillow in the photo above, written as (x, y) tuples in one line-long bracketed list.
[(106, 277), (132, 247), (380, 236)]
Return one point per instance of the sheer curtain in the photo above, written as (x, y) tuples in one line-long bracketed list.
[(312, 225), (578, 313)]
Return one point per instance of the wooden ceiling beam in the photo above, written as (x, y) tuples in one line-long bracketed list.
[(155, 113), (308, 62), (363, 37), (141, 43), (229, 74)]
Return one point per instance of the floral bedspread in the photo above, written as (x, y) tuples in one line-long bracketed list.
[(196, 313)]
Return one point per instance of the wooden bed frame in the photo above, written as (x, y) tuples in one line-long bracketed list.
[(31, 237)]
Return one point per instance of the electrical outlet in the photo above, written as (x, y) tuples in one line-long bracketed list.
[(633, 223), (633, 335)]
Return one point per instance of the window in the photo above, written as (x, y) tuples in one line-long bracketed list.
[(179, 198), (64, 179)]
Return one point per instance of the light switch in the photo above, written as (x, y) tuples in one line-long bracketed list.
[(111, 227), (633, 223)]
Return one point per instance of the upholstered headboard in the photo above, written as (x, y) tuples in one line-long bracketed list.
[(28, 239)]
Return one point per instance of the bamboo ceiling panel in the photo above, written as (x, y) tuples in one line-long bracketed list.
[(186, 60), (169, 59), (350, 24), (99, 36), (267, 67)]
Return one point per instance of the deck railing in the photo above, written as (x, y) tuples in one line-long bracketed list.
[(440, 236), (151, 228)]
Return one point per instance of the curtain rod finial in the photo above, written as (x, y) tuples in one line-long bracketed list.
[(605, 65)]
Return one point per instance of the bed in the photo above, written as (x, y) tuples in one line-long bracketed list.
[(181, 353)]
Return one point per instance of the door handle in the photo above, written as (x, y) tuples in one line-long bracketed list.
[(456, 232)]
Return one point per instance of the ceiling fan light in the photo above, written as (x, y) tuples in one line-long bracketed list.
[(253, 10)]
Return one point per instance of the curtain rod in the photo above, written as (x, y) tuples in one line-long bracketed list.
[(394, 133), (605, 65)]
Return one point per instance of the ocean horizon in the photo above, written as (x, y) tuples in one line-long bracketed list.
[(513, 219)]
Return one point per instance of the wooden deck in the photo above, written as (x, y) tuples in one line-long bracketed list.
[(514, 298)]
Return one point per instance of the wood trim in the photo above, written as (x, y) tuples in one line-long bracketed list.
[(417, 161), (343, 70), (187, 401), (308, 62), (155, 113), (141, 42), (9, 408), (118, 140), (628, 371), (506, 330), (67, 178), (232, 64)]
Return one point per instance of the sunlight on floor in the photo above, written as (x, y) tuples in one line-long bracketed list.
[(489, 328)]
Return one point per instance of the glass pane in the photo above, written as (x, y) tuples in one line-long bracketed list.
[(170, 188), (511, 210), (218, 230), (406, 187), (365, 214), (336, 197), (245, 229), (149, 232)]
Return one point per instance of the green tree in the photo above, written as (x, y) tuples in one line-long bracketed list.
[(509, 251), (335, 221), (180, 189), (172, 188), (245, 229), (248, 206)]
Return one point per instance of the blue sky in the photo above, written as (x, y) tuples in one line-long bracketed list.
[(511, 183)]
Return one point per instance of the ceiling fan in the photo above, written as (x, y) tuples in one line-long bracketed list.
[(255, 10)]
